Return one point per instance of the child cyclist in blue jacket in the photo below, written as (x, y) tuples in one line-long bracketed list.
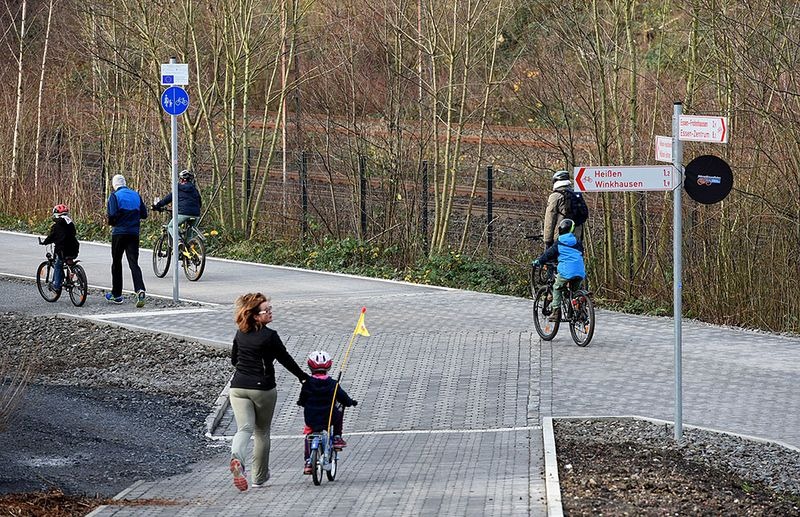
[(316, 397), (568, 251)]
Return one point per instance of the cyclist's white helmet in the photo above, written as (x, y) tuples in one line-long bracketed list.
[(560, 176), (186, 175), (320, 361)]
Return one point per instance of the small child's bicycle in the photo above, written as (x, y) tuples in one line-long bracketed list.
[(323, 456), (74, 279)]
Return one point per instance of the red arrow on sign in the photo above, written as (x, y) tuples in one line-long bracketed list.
[(724, 129), (578, 179)]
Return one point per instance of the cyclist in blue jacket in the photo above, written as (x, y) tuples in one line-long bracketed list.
[(568, 251)]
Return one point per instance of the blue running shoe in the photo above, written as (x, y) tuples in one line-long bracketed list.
[(114, 299)]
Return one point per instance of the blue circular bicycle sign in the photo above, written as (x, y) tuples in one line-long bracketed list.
[(175, 100)]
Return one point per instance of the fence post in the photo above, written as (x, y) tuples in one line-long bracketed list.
[(103, 179), (362, 174), (425, 243), (304, 189), (248, 187), (489, 223)]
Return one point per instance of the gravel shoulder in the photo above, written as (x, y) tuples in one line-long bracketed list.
[(635, 467), (107, 406)]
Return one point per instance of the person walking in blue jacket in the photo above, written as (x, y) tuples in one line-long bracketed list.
[(125, 212), (568, 251)]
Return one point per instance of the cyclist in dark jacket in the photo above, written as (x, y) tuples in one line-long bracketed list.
[(125, 212), (316, 398), (189, 201), (253, 392), (65, 243)]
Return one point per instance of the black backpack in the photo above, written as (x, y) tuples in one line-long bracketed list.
[(575, 207)]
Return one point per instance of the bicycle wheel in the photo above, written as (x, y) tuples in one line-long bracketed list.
[(44, 275), (334, 464), (546, 329), (581, 326), (78, 287), (316, 466), (162, 254), (193, 258)]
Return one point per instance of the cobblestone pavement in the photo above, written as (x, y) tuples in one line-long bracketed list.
[(453, 386)]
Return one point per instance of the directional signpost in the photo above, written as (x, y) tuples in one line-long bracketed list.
[(711, 181), (695, 128), (175, 101), (625, 179), (691, 128), (664, 149)]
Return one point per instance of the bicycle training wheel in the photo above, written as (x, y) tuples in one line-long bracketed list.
[(316, 466), (193, 258), (79, 287), (162, 254), (582, 324), (44, 275), (334, 461), (546, 329)]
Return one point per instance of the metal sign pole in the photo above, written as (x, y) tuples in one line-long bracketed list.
[(677, 271), (175, 232)]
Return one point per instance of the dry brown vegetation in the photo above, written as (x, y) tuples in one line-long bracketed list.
[(452, 83)]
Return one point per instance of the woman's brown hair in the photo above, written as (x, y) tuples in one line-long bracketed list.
[(246, 310)]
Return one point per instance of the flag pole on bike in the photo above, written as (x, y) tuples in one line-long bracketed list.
[(360, 330)]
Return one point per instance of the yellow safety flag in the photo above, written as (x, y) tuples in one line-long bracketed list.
[(361, 328)]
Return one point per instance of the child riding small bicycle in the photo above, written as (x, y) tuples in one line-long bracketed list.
[(316, 398), (65, 243), (568, 251)]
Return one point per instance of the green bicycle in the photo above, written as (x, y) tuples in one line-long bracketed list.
[(191, 250)]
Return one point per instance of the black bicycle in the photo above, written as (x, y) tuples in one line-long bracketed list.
[(74, 279), (191, 250), (577, 307)]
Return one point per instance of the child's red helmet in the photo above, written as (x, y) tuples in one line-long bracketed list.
[(60, 210), (320, 361)]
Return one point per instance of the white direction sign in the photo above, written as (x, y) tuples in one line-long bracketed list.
[(174, 74), (694, 128), (664, 149), (613, 178)]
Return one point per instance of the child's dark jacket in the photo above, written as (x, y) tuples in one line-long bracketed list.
[(63, 237), (316, 397)]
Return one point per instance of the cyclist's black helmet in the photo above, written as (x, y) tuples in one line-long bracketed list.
[(566, 226), (560, 176), (186, 175)]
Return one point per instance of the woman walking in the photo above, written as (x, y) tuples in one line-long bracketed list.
[(253, 392)]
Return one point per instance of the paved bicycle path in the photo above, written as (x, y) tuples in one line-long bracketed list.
[(453, 387)]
